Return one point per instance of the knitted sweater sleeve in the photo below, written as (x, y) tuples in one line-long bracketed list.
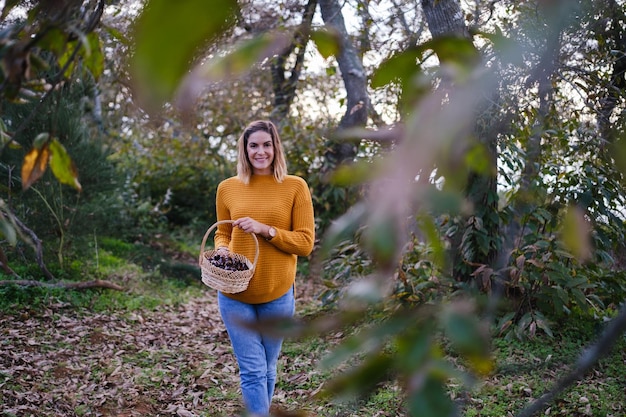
[(300, 239)]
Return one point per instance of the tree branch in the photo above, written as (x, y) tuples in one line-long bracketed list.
[(37, 246)]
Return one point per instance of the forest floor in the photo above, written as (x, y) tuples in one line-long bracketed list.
[(174, 359)]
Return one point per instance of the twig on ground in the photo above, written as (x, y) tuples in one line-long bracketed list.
[(69, 285)]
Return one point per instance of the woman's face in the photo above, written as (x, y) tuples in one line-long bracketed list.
[(260, 150)]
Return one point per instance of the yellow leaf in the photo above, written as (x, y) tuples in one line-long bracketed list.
[(35, 163)]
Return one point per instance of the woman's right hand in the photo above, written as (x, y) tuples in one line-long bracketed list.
[(249, 225)]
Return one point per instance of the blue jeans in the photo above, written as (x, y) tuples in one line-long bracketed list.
[(257, 354)]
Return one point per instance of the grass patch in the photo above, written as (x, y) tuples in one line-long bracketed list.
[(142, 294), (149, 274), (525, 369)]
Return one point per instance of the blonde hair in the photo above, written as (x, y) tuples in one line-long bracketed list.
[(279, 164)]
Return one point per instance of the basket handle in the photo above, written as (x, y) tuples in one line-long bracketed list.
[(206, 235)]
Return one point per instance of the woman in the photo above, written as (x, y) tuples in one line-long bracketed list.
[(265, 200)]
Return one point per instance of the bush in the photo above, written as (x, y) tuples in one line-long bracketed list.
[(58, 214)]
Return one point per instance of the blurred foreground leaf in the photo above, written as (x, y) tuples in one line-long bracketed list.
[(342, 228), (467, 337), (576, 233), (7, 229), (89, 49), (168, 35), (431, 399), (230, 65), (328, 42)]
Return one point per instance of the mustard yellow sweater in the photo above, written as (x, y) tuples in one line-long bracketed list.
[(288, 207)]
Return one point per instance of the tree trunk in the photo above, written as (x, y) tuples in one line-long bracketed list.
[(355, 83), (445, 17), (285, 87), (612, 94), (477, 241)]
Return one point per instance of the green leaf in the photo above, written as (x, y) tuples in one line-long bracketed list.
[(371, 339), (561, 294), (54, 41), (416, 347), (231, 65), (618, 152), (349, 348), (62, 166), (401, 67), (7, 230), (464, 331), (454, 49), (577, 282), (438, 250), (116, 34), (430, 399), (580, 298), (5, 137), (542, 323), (505, 322), (167, 37), (444, 201), (351, 174), (368, 340), (525, 321), (507, 48), (328, 42), (243, 56), (92, 55), (477, 158), (66, 60), (88, 50), (40, 140)]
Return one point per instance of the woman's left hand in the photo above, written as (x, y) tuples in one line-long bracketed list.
[(249, 225)]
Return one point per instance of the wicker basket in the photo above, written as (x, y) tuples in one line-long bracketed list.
[(230, 282)]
